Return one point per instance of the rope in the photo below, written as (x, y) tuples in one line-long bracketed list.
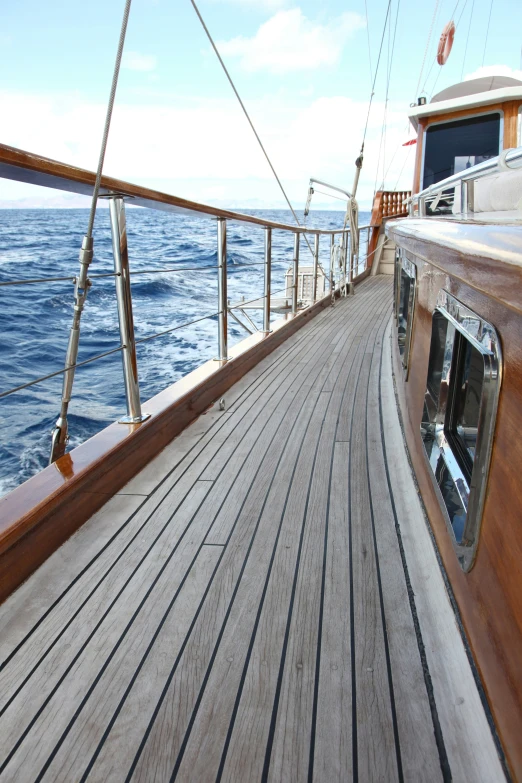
[(196, 9), (108, 117), (487, 32)]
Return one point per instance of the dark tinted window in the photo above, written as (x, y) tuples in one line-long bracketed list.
[(404, 309), (455, 146)]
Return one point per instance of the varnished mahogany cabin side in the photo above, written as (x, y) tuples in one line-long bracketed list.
[(489, 596), (489, 282)]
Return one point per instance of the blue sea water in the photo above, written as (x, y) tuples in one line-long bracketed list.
[(35, 318)]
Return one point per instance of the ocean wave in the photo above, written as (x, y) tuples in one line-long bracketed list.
[(35, 319)]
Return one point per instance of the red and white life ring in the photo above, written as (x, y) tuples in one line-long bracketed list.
[(445, 43)]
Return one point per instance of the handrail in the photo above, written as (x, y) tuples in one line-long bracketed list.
[(22, 166), (508, 159)]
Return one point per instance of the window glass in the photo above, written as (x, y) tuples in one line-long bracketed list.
[(452, 499), (404, 304), (463, 417), (455, 146), (437, 350)]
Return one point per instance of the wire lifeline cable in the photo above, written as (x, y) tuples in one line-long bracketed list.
[(196, 9)]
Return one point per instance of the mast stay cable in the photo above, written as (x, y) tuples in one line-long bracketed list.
[(209, 36), (487, 32), (467, 40), (82, 282), (427, 47)]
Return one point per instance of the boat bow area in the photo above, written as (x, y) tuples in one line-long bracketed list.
[(262, 602)]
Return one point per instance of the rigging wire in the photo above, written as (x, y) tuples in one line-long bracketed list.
[(434, 59), (487, 32), (406, 159), (457, 23), (376, 70), (108, 117), (196, 9), (384, 126), (368, 37), (427, 47)]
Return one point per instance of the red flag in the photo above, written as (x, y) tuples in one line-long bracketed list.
[(410, 142)]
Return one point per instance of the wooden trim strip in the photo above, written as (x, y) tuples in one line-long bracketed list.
[(38, 516)]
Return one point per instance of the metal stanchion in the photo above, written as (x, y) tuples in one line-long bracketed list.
[(268, 276), (332, 267), (125, 317), (222, 290), (296, 272), (316, 262)]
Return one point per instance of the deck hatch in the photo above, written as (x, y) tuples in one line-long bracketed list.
[(405, 289), (458, 421)]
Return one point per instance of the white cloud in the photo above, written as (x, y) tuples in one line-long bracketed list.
[(289, 41), (205, 151), (494, 70), (135, 61)]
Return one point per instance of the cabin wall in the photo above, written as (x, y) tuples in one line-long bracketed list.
[(489, 597), (509, 109)]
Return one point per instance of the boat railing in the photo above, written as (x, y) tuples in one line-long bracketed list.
[(458, 189), (344, 266)]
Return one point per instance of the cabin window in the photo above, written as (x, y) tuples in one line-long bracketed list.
[(458, 421), (405, 285), (451, 147)]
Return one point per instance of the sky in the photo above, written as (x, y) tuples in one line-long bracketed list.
[(303, 69)]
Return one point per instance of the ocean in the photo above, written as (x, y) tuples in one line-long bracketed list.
[(35, 319)]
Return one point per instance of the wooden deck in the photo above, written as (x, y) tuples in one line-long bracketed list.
[(246, 608)]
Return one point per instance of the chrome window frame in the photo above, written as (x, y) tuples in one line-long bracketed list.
[(406, 265), (484, 338)]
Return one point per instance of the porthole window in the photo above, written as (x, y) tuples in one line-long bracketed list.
[(405, 285), (458, 422)]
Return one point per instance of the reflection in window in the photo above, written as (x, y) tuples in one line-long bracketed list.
[(468, 388), (458, 419), (406, 279), (455, 146)]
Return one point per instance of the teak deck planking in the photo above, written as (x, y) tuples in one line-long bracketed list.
[(240, 611)]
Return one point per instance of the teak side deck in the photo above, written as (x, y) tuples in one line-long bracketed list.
[(262, 602)]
